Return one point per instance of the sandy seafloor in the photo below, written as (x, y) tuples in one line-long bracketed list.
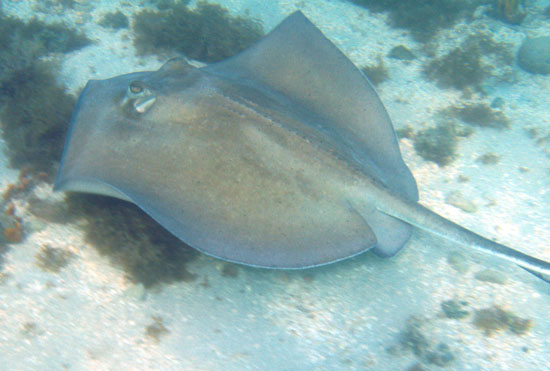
[(342, 316)]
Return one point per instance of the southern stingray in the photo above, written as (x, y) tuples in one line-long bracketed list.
[(282, 156)]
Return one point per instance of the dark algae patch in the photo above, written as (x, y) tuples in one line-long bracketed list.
[(148, 253), (469, 65), (34, 108), (54, 38), (455, 309), (11, 225), (495, 319), (437, 144), (488, 159), (35, 116), (156, 330), (405, 132), (230, 270), (423, 18), (509, 11), (481, 114), (35, 34), (413, 337), (208, 33), (458, 69), (52, 259), (115, 20), (416, 339), (377, 73)]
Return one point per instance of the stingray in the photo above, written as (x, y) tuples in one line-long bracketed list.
[(282, 156)]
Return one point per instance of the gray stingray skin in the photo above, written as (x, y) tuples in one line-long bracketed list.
[(282, 156)]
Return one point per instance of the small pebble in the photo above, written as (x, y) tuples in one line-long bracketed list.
[(534, 55), (456, 199), (458, 261), (490, 275)]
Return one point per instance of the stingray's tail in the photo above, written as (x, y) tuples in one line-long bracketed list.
[(419, 216), (542, 276)]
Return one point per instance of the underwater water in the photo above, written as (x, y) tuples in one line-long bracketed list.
[(90, 282)]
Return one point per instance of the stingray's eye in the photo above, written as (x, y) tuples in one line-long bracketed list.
[(138, 98), (136, 87)]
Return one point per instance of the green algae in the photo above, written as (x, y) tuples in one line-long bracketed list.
[(116, 20), (455, 309), (437, 144), (376, 73), (230, 270), (35, 109), (471, 64), (52, 259), (494, 318), (208, 33), (147, 253), (416, 339), (156, 330), (423, 18), (481, 114), (509, 11)]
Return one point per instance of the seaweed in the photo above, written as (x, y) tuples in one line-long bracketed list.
[(415, 339), (53, 259), (423, 18), (230, 270), (459, 69), (67, 3), (35, 116), (509, 11), (437, 144), (51, 38), (168, 4), (208, 33), (455, 309), (405, 132), (156, 330), (377, 73), (147, 252), (35, 109), (495, 318), (463, 67), (488, 158), (115, 20), (55, 37), (481, 114), (12, 229)]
